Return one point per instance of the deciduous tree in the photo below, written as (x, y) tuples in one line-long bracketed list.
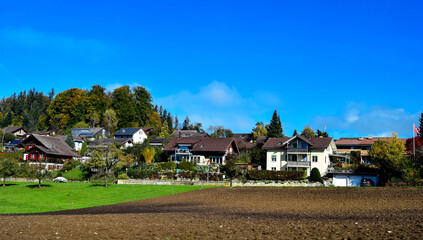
[(110, 121), (388, 154), (148, 154), (106, 161), (259, 130), (8, 165), (308, 132)]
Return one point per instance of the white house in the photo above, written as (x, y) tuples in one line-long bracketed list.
[(299, 154), (137, 135)]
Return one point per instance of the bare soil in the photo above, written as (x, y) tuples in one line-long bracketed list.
[(237, 213)]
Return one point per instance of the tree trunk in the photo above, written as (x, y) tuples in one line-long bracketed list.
[(4, 181), (105, 177), (230, 182), (39, 183)]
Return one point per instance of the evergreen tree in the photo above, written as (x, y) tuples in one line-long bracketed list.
[(322, 133), (123, 105), (69, 141), (143, 105), (164, 131), (186, 124), (176, 126), (295, 133), (274, 129)]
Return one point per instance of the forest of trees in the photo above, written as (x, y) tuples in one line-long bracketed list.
[(124, 107)]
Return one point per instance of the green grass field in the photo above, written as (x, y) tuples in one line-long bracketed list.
[(28, 198)]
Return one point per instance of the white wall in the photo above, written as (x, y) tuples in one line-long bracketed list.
[(139, 136)]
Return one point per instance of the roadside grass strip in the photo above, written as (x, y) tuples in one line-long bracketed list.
[(28, 198)]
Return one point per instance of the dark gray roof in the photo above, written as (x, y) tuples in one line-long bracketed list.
[(315, 143), (51, 145), (203, 144), (87, 132), (188, 133), (108, 142), (127, 131), (12, 129)]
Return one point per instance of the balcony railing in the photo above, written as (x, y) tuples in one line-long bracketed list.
[(297, 150), (182, 151), (298, 163)]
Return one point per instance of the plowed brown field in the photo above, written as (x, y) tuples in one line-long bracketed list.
[(237, 213)]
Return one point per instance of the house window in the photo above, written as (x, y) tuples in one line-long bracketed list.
[(274, 158), (273, 168), (293, 158), (314, 158)]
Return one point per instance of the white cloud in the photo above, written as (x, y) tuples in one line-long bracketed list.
[(219, 104), (32, 39), (376, 121)]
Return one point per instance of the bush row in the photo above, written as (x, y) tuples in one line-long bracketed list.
[(275, 175), (152, 174)]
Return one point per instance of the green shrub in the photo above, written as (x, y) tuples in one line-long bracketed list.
[(315, 176), (167, 166), (75, 174), (275, 175), (184, 165), (123, 176), (69, 165)]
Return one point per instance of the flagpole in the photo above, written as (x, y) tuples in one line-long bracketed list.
[(414, 144)]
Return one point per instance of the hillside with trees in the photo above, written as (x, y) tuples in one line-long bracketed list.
[(95, 107)]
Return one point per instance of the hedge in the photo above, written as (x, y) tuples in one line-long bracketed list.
[(275, 175)]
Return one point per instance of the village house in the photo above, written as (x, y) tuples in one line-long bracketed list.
[(90, 134), (17, 131), (137, 135), (106, 142), (49, 151), (201, 150), (299, 154), (188, 133), (359, 144)]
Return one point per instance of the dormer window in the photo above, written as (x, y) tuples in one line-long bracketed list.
[(279, 143)]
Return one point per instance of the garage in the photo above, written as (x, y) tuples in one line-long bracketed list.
[(352, 180)]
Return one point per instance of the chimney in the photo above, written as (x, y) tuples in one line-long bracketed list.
[(179, 135)]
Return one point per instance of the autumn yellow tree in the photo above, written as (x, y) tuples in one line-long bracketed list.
[(148, 154)]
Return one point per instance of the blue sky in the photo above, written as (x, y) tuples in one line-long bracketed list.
[(355, 67)]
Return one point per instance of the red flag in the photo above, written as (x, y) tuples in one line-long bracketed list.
[(416, 130)]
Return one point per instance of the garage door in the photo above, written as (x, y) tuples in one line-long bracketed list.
[(354, 181), (340, 180)]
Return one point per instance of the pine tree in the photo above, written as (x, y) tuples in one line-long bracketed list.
[(185, 125), (176, 123), (295, 133), (69, 141), (274, 129)]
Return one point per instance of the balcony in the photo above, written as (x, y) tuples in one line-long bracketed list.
[(298, 163), (183, 151), (297, 150)]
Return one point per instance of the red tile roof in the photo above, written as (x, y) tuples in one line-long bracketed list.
[(362, 141)]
